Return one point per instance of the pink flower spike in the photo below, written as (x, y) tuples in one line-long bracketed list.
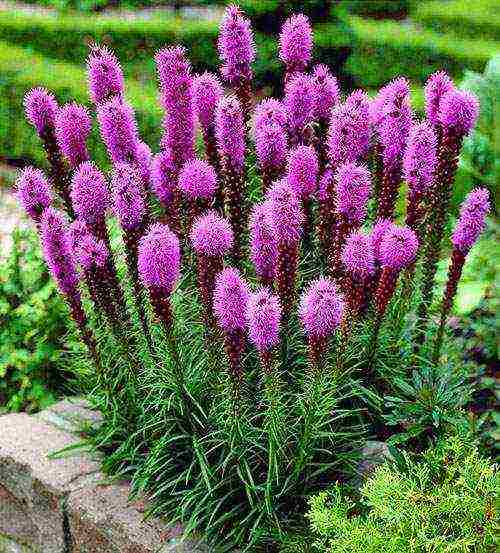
[(321, 308), (420, 158), (73, 125), (285, 213), (358, 256), (88, 251), (159, 258), (212, 235), (353, 191), (263, 245), (459, 110), (437, 85), (327, 92), (270, 112), (230, 131), (230, 300), (89, 193), (300, 101), (377, 235), (207, 91), (472, 220), (303, 169), (263, 317), (296, 43), (128, 196), (105, 74), (398, 248), (163, 176), (34, 192), (40, 107), (198, 180), (118, 130)]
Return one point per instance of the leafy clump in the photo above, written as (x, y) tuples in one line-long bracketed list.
[(33, 324), (443, 502)]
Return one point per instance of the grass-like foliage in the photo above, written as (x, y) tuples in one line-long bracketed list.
[(258, 302), (444, 501)]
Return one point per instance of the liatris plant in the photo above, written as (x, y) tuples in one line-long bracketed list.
[(212, 239), (239, 475), (237, 52), (467, 230), (263, 244), (458, 112), (34, 192), (230, 135)]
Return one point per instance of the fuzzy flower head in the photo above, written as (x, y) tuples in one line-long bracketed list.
[(105, 74), (144, 158), (174, 73), (236, 46), (230, 131), (163, 176), (263, 245), (285, 212), (159, 259), (349, 132), (459, 110), (270, 146), (128, 196), (398, 248), (270, 112), (327, 92), (230, 300), (321, 308), (73, 125), (377, 235), (437, 85), (33, 191), (212, 235), (198, 180), (88, 251), (263, 319), (358, 256), (296, 43), (420, 158), (353, 187), (89, 193), (40, 107), (207, 91), (57, 251), (303, 169), (118, 130), (300, 102), (472, 220)]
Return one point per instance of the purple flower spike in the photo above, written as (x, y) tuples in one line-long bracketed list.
[(159, 258), (163, 176), (377, 235), (88, 251), (230, 132), (270, 112), (300, 101), (57, 251), (144, 158), (118, 130), (327, 92), (89, 193), (472, 220), (128, 196), (459, 110), (263, 245), (198, 180), (321, 308), (296, 43), (212, 235), (436, 87), (358, 256), (285, 213), (104, 74), (174, 71), (271, 149), (263, 316), (230, 300), (73, 125), (420, 158), (353, 190), (34, 192), (236, 46), (40, 107), (303, 171), (398, 248), (207, 91)]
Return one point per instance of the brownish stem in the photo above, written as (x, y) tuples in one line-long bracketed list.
[(286, 275), (235, 205), (208, 268), (389, 191)]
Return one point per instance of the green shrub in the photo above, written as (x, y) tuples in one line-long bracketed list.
[(33, 323), (379, 8), (462, 17), (444, 502)]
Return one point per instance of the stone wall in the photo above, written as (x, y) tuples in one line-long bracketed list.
[(64, 504)]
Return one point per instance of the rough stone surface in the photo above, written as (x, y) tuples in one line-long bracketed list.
[(374, 453), (62, 503)]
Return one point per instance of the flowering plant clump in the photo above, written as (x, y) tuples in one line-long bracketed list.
[(233, 298)]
